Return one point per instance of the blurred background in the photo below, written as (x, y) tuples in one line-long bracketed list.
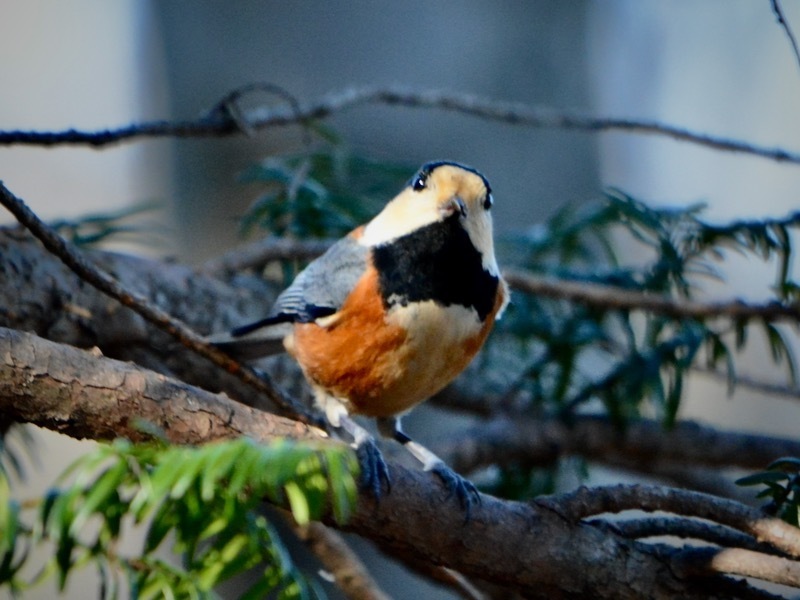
[(723, 67)]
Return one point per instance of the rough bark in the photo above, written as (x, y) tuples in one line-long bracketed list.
[(85, 395), (533, 549)]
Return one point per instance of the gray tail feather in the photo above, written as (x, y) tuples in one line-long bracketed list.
[(259, 344)]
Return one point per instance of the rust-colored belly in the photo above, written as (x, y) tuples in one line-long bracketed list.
[(381, 364)]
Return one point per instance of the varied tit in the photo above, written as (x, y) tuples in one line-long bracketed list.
[(391, 313)]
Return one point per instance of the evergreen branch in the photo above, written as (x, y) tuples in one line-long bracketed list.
[(223, 122)]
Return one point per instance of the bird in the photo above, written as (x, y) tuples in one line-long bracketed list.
[(392, 313)]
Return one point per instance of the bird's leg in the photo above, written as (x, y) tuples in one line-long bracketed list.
[(374, 470), (464, 490)]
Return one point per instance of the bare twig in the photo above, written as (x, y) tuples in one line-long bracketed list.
[(101, 280), (585, 502), (683, 528), (613, 298), (219, 123), (737, 561), (776, 8), (229, 105)]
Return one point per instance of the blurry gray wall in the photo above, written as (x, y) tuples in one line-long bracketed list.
[(530, 52)]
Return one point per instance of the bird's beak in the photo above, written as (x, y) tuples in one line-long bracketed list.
[(452, 206)]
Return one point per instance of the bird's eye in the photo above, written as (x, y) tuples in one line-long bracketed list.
[(488, 201), (419, 183)]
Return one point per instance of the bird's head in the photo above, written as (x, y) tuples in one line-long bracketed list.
[(439, 191)]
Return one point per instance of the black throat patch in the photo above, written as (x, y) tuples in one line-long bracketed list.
[(437, 262)]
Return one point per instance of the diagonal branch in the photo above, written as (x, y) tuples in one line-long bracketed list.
[(220, 123), (342, 564), (101, 280)]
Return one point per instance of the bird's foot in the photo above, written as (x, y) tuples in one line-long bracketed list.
[(464, 490), (374, 470)]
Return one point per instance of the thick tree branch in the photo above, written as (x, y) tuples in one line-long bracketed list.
[(259, 253), (533, 550), (38, 293), (85, 395), (223, 123)]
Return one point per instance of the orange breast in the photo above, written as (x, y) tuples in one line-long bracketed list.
[(383, 364)]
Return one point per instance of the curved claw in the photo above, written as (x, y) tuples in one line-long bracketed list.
[(463, 489), (374, 470)]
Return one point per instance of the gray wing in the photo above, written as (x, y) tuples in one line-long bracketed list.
[(320, 289)]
